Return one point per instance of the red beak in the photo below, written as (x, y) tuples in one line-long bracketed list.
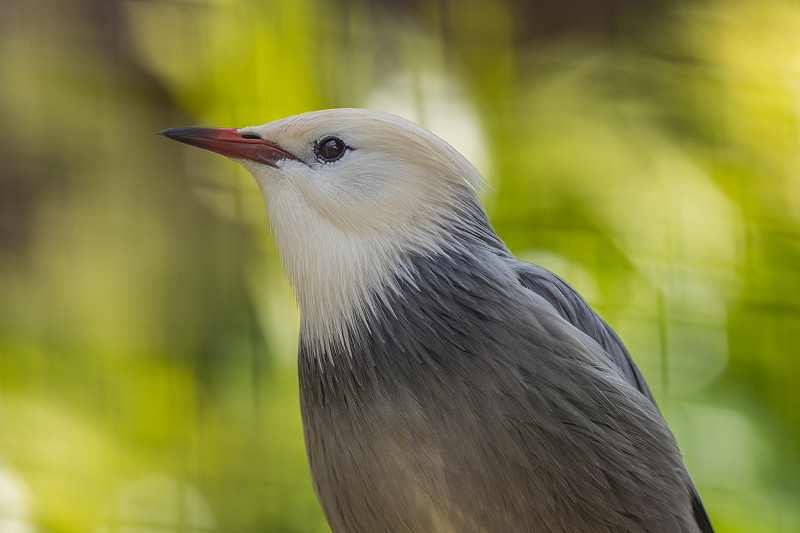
[(229, 142)]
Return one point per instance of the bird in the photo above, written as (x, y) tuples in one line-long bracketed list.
[(445, 385)]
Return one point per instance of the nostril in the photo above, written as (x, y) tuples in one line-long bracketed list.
[(247, 135)]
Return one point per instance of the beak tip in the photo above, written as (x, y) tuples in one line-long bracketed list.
[(228, 142)]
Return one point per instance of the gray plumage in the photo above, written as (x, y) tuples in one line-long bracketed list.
[(472, 392), (473, 403)]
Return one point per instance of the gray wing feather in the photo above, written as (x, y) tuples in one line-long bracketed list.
[(572, 307)]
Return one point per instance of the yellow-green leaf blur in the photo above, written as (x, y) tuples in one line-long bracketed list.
[(647, 152)]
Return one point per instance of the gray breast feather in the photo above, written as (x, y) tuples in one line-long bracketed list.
[(470, 404)]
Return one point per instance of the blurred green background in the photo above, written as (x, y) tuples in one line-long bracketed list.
[(648, 152)]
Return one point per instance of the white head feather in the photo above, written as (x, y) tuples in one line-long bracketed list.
[(343, 228)]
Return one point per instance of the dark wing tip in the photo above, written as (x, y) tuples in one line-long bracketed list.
[(700, 515)]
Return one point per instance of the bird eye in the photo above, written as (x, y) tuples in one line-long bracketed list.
[(330, 149)]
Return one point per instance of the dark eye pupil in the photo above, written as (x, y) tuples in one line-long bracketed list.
[(330, 149)]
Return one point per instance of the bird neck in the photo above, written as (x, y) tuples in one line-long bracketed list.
[(340, 278), (430, 309)]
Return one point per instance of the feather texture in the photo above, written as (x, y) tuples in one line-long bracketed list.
[(472, 405)]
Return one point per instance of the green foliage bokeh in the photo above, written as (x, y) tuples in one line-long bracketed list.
[(646, 152)]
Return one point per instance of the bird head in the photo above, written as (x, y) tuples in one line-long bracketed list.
[(349, 193)]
